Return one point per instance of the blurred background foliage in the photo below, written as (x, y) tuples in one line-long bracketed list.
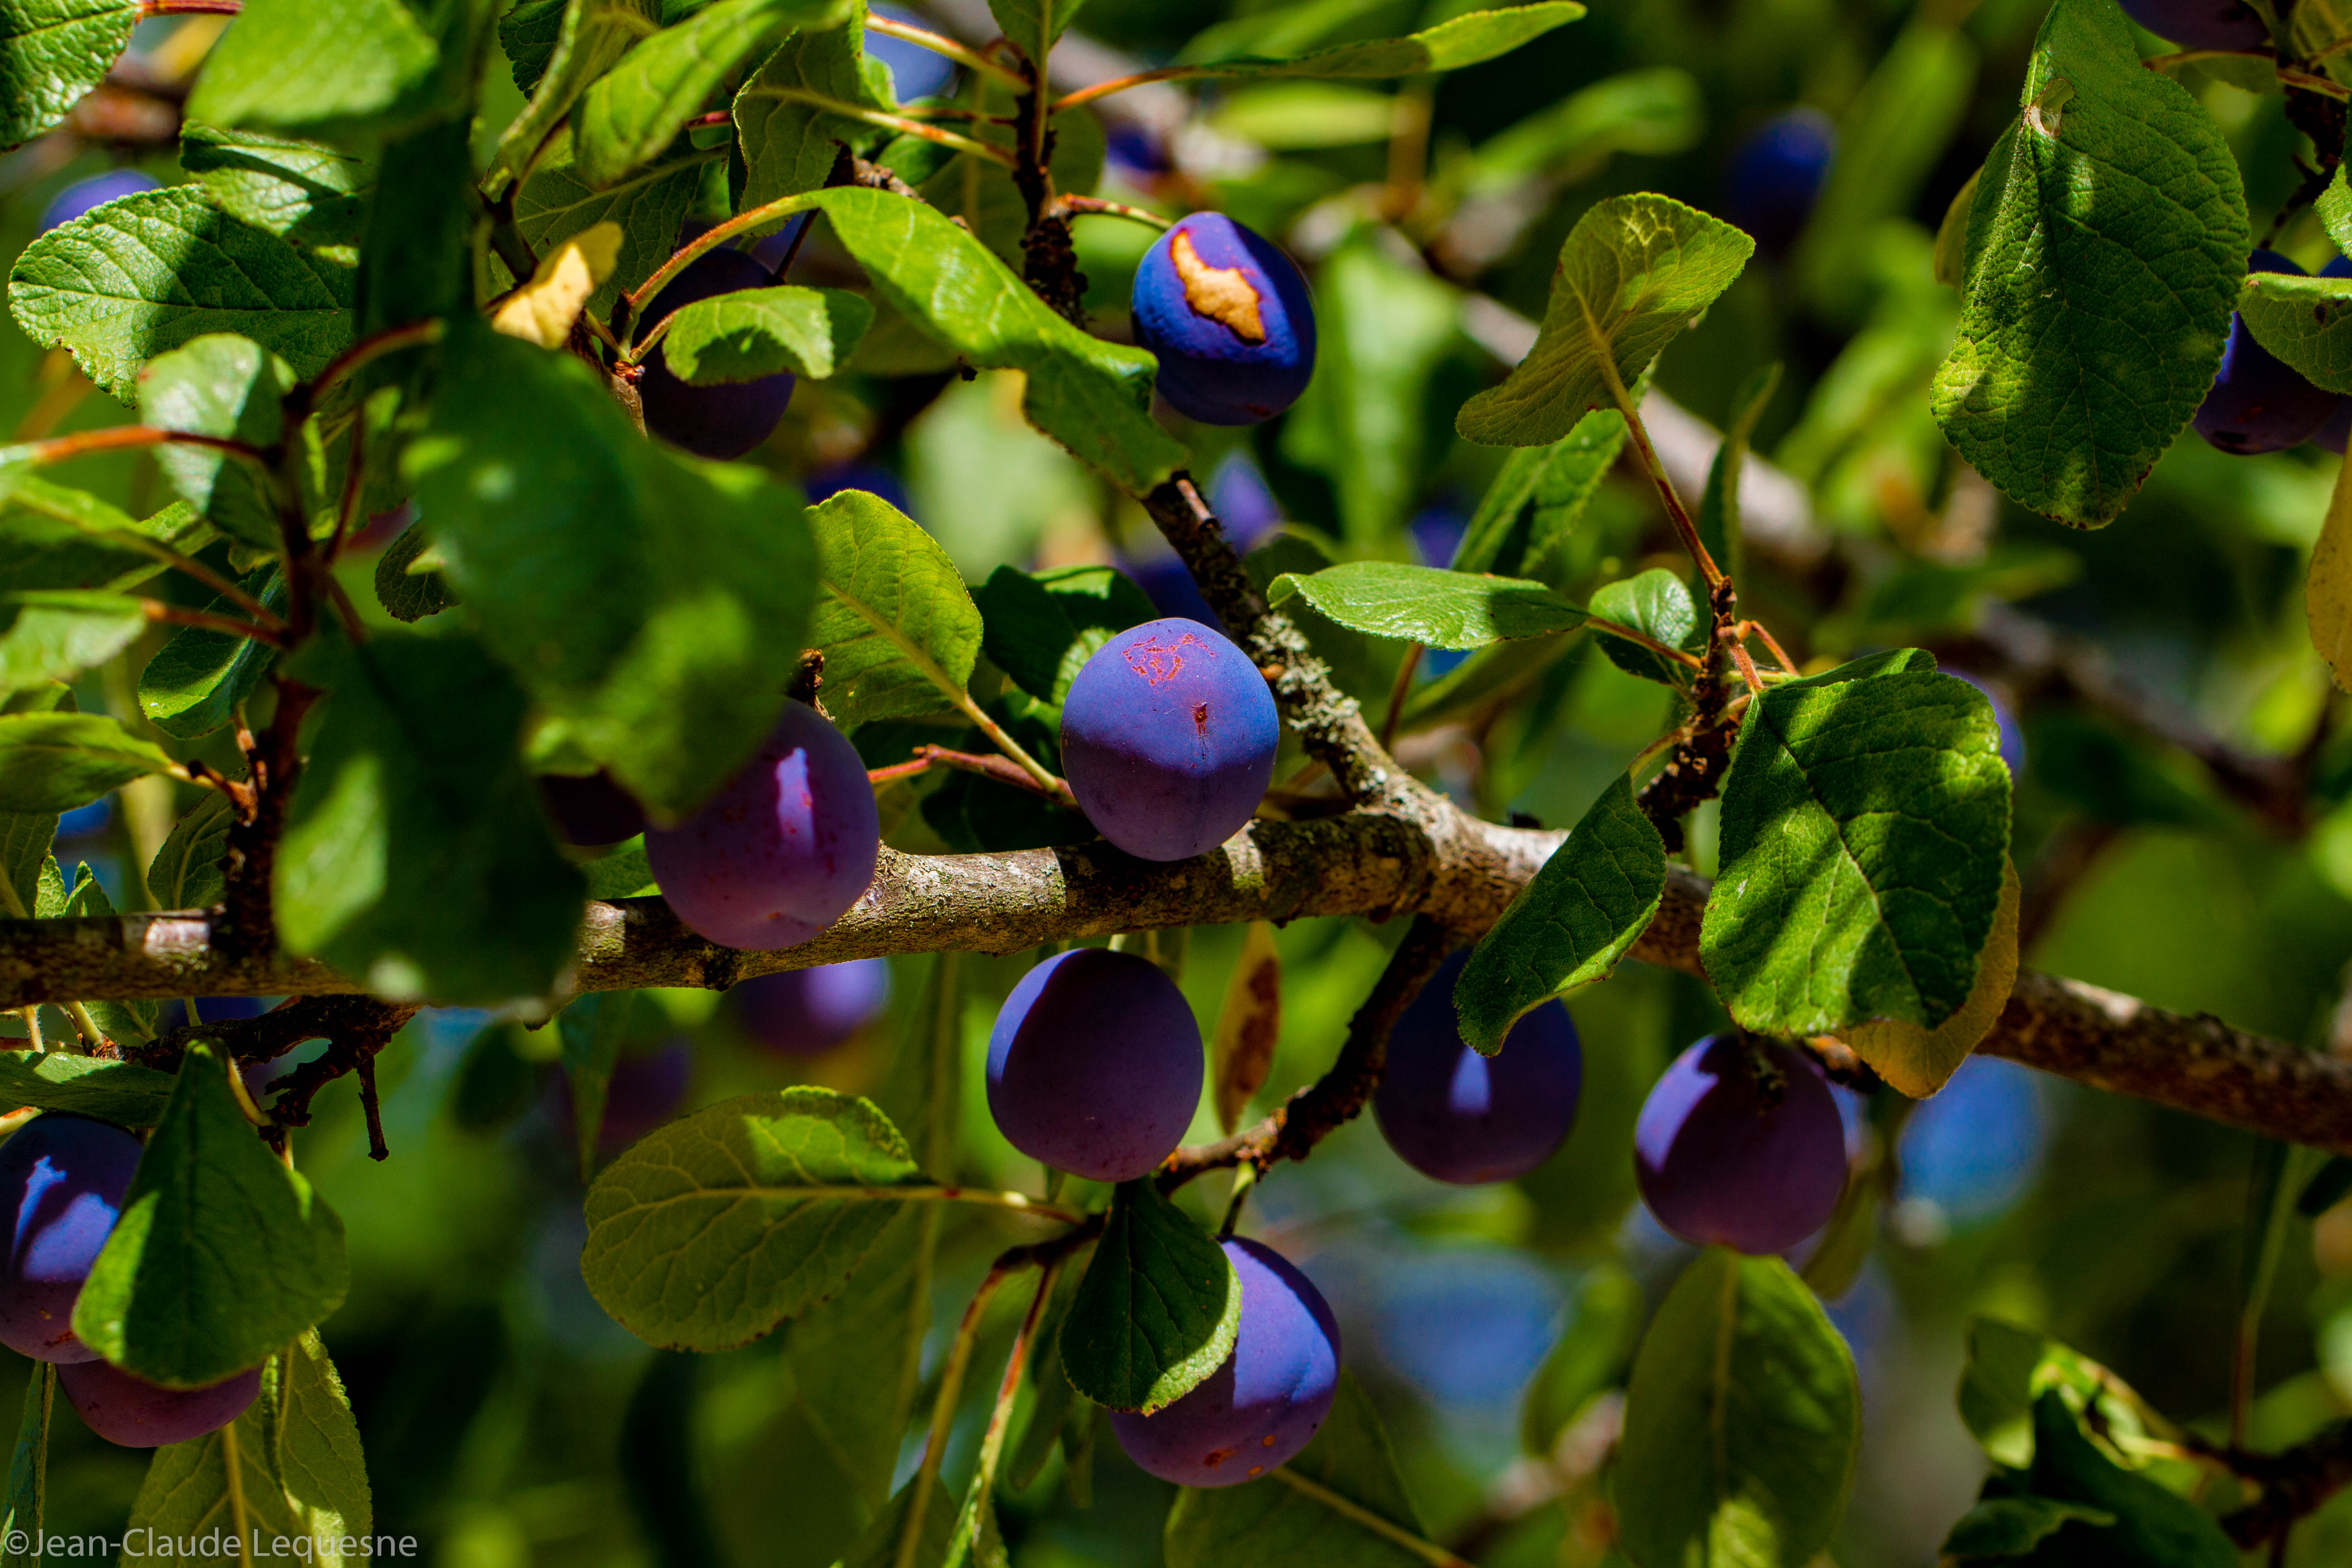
[(509, 1422)]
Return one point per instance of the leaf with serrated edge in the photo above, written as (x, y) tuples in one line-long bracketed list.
[(2327, 593), (52, 52), (1918, 1061), (787, 119), (1463, 41), (1742, 1422), (755, 332), (25, 840), (708, 1232), (121, 1092), (309, 192), (125, 1023), (2106, 242), (1248, 1024), (195, 681), (1429, 605), (1549, 488), (58, 761), (230, 386), (591, 36), (1157, 1309), (1633, 273), (296, 65), (1572, 921), (555, 204), (1864, 838), (221, 1253), (898, 629)]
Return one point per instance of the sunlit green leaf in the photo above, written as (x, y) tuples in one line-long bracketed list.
[(1429, 605), (754, 332), (56, 761)]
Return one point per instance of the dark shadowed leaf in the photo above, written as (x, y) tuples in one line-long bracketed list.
[(29, 1471), (121, 1092), (1157, 1309), (558, 47), (1043, 627), (194, 684), (2016, 1526), (229, 386), (1537, 497), (187, 871)]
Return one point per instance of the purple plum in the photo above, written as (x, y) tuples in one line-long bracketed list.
[(64, 1178), (723, 421), (1726, 1153), (1775, 175), (2202, 23), (808, 1012), (1094, 1066), (96, 191), (135, 1413), (1228, 317), (2259, 403), (1456, 1116), (645, 1090)]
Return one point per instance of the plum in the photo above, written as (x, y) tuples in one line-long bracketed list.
[(591, 809), (2202, 23), (1094, 1066), (1168, 737), (135, 1413), (96, 191), (808, 1012), (1259, 1407), (2258, 402), (783, 849), (1456, 1116), (1776, 174), (1725, 1153), (1228, 318), (64, 1178), (645, 1090), (723, 421)]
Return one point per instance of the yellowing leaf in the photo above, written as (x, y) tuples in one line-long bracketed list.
[(542, 311), (1249, 1026), (1918, 1061), (2327, 598)]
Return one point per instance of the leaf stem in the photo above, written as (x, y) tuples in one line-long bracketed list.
[(117, 437), (375, 346), (189, 8), (940, 44), (1121, 83), (935, 1444), (899, 122), (178, 615), (1002, 770), (1056, 787), (86, 1027), (711, 238), (1664, 650), (1428, 1551), (1675, 511), (1397, 693)]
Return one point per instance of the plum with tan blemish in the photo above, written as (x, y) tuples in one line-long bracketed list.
[(1259, 1408), (134, 1414), (64, 1178), (1229, 319), (1094, 1066), (784, 848), (1168, 738)]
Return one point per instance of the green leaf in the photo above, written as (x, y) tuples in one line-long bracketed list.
[(186, 872), (2093, 323), (622, 874), (25, 840), (924, 1089), (1918, 1061), (1092, 397), (1864, 838), (585, 39), (414, 261), (1633, 273), (296, 66), (878, 1546), (2152, 1525), (56, 636), (121, 1092), (2010, 1368), (787, 125), (52, 536), (898, 629), (56, 761), (221, 1253), (2334, 208), (1656, 604), (1157, 1309), (220, 385), (1037, 26), (1572, 921), (1537, 498), (309, 192), (858, 1360), (195, 682), (637, 108), (406, 593), (1281, 1524), (28, 1470), (555, 204), (143, 275), (51, 53), (2015, 1526), (2307, 321), (1463, 41), (416, 853), (301, 1486), (653, 603), (759, 331), (1429, 605), (712, 1230), (1045, 1399), (1041, 627), (1742, 1422), (1595, 1349)]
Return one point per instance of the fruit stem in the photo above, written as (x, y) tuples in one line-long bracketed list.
[(114, 438), (1675, 511), (1047, 783), (1428, 1551), (1397, 693), (939, 44), (943, 1413)]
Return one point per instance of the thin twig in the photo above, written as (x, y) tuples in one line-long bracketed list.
[(375, 346), (1398, 689), (117, 437), (1081, 205), (1122, 83), (935, 1444), (1428, 1551), (1003, 770), (900, 123)]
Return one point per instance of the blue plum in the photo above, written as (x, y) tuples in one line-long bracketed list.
[(98, 190), (1167, 584), (87, 821), (1726, 1154), (808, 1012), (783, 849), (63, 1178), (2013, 737), (134, 1414), (1228, 317), (723, 421), (1775, 175), (1456, 1116), (1259, 1408), (591, 809), (1094, 1066), (2258, 402), (1168, 738), (2202, 23), (1245, 503)]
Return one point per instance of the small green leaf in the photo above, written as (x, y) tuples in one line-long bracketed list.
[(622, 874), (406, 593), (56, 761), (1572, 921), (2334, 208), (221, 1253), (2010, 1368), (187, 871), (29, 1471), (594, 1028), (636, 109), (121, 1092), (1041, 627), (1157, 1309), (1537, 498), (1594, 1350), (1463, 41), (25, 840), (708, 1232), (416, 853), (306, 191), (195, 682), (2307, 321), (1742, 1422), (220, 385), (2015, 1526), (51, 53), (1633, 273), (56, 636), (1656, 604), (899, 631), (1429, 605), (584, 39), (759, 331), (143, 275), (1275, 1525), (295, 65), (1864, 838), (787, 122), (2151, 1525), (555, 204), (2093, 323)]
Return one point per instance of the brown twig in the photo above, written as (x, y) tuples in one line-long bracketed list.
[(1003, 770), (2295, 1483)]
